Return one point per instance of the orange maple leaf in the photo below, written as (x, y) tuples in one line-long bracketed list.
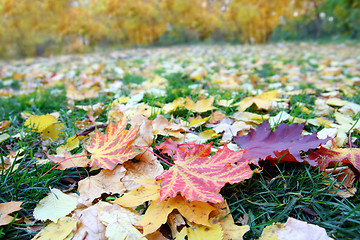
[(200, 178), (114, 146)]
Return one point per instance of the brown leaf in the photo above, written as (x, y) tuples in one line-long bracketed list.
[(107, 181), (6, 209)]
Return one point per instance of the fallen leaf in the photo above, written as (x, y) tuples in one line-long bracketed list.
[(280, 117), (176, 222), (200, 138), (145, 139), (10, 159), (295, 230), (82, 93), (177, 103), (196, 122), (107, 181), (140, 170), (53, 132), (4, 137), (114, 147), (285, 141), (62, 229), (89, 226), (229, 127), (251, 118), (198, 177), (225, 103), (216, 117), (198, 74), (262, 101), (4, 124), (199, 232), (169, 146), (201, 105), (40, 123), (149, 190), (120, 221), (325, 156), (56, 205), (193, 211), (230, 229), (167, 128), (6, 209), (67, 160), (345, 178)]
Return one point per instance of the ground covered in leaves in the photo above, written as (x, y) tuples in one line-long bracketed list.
[(199, 142)]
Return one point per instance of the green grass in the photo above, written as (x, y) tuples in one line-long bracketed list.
[(293, 190)]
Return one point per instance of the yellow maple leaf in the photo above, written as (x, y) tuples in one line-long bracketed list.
[(201, 105), (157, 213), (196, 122), (262, 101), (60, 230), (52, 132), (40, 123), (149, 190), (177, 103), (199, 232)]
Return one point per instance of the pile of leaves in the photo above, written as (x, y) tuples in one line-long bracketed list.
[(166, 143)]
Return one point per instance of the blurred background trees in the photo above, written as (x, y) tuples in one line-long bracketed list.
[(45, 27)]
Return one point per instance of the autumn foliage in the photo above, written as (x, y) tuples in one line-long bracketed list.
[(43, 27)]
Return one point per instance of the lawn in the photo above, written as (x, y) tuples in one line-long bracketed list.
[(171, 103)]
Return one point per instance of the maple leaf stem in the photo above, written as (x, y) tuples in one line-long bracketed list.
[(85, 155), (146, 149), (79, 174), (350, 140)]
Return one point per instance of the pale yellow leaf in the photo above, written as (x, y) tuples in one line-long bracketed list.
[(4, 137), (295, 230), (56, 205)]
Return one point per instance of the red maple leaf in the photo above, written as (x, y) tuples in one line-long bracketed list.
[(198, 177), (169, 146), (326, 157), (285, 142), (114, 146)]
